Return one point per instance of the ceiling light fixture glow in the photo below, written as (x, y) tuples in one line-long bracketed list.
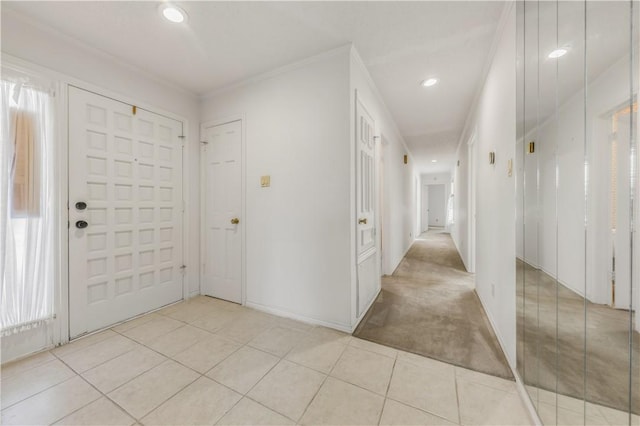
[(558, 53), (173, 13), (430, 82), (434, 161)]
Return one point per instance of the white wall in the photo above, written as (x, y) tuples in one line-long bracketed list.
[(494, 121), (298, 239), (460, 185), (300, 232), (67, 60), (399, 213)]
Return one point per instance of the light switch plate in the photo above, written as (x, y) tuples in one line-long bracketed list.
[(265, 181)]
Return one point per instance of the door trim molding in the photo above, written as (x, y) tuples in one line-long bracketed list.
[(178, 293), (59, 332), (355, 315), (243, 195)]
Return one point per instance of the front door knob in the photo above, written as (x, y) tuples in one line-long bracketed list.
[(362, 221), (81, 224), (235, 221)]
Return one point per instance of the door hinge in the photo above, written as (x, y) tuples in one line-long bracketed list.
[(183, 268)]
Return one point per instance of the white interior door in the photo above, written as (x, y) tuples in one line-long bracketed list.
[(436, 205), (125, 211), (367, 254), (425, 208), (222, 261)]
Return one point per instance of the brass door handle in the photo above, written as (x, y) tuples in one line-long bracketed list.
[(362, 221), (235, 221)]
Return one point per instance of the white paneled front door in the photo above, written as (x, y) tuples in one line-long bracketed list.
[(125, 211), (223, 224), (367, 253)]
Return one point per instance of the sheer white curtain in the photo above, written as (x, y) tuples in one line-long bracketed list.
[(27, 208)]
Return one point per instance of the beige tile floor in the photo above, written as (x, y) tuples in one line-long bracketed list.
[(554, 408), (206, 361)]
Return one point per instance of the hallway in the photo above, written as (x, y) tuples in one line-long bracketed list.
[(429, 307)]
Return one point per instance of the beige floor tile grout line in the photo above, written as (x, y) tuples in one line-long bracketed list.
[(91, 402), (455, 383), (386, 394), (78, 374), (326, 376), (304, 336), (166, 358)]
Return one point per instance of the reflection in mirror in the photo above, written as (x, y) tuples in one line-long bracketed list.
[(570, 207), (577, 205), (527, 291), (611, 70)]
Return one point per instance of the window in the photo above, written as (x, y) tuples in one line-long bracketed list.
[(27, 207)]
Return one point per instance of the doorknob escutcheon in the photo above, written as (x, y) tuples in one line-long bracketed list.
[(235, 221), (362, 221)]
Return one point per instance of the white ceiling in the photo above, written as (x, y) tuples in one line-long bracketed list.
[(222, 43)]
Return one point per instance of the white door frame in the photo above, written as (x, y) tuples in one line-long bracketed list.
[(243, 185), (471, 202), (427, 187), (186, 183), (377, 140), (424, 208), (77, 303), (380, 200), (60, 331)]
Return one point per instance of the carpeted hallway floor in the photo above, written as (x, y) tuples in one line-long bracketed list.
[(551, 335), (429, 307)]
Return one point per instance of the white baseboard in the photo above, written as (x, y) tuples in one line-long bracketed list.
[(308, 320), (495, 330), (522, 390), (526, 399), (553, 275), (402, 257), (464, 261), (364, 312)]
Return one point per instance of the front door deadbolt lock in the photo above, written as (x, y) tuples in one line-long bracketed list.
[(81, 205), (362, 221)]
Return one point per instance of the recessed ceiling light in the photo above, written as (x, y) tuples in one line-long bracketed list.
[(434, 161), (173, 13), (558, 53), (430, 82)]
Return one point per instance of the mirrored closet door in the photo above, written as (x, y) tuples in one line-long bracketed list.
[(578, 257)]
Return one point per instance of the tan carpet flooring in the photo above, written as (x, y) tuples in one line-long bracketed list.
[(551, 343), (429, 307)]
